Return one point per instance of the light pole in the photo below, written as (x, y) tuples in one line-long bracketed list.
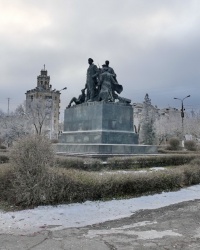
[(52, 128), (62, 89), (8, 106), (182, 111), (59, 112)]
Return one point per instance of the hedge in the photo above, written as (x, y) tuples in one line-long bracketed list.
[(124, 162), (4, 159)]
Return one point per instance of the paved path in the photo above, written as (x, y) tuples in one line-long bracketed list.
[(173, 227)]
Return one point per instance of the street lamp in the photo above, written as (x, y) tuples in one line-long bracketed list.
[(182, 111), (52, 110), (62, 89), (59, 106)]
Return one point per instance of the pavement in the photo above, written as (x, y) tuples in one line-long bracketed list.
[(172, 227)]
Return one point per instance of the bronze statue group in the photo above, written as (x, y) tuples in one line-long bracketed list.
[(101, 85)]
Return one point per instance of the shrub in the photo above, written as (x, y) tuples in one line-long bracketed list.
[(79, 163), (195, 161), (82, 186), (2, 147), (191, 174), (66, 186), (30, 158), (70, 162), (149, 161), (54, 140), (131, 162), (93, 164), (4, 159), (190, 145), (174, 144), (6, 180)]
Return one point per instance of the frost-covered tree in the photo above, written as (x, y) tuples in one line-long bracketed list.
[(34, 117), (166, 127), (39, 114), (170, 125), (147, 132), (191, 124), (12, 127)]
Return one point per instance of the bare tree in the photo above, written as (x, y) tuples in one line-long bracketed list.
[(166, 127), (39, 114), (170, 125), (33, 117), (191, 124), (12, 127)]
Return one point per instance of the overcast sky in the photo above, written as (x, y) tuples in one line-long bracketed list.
[(153, 46)]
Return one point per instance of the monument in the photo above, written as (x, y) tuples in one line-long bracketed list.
[(101, 121)]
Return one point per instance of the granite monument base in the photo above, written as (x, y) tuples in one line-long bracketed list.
[(100, 128), (104, 149)]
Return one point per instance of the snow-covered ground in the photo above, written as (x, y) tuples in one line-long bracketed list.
[(87, 213), (132, 171)]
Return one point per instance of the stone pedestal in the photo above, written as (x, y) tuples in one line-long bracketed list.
[(100, 128)]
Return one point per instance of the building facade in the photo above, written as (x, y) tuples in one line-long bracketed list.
[(47, 103), (165, 121)]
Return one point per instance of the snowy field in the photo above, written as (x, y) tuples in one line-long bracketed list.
[(87, 213)]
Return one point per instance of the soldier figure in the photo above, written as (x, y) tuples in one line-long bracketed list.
[(78, 100), (111, 71), (108, 86), (92, 80)]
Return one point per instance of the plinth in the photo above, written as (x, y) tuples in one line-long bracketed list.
[(100, 128)]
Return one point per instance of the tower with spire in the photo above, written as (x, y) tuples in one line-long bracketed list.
[(43, 92)]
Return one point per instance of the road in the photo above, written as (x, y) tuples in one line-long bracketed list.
[(172, 227)]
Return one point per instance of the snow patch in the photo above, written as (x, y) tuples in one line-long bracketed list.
[(87, 213)]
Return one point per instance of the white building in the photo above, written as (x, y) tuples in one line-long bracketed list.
[(48, 98), (161, 116)]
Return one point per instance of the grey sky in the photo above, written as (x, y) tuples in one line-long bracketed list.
[(153, 46)]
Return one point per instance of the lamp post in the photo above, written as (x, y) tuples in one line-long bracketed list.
[(182, 111), (62, 89), (52, 110), (65, 88)]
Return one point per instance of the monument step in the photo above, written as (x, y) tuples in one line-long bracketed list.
[(105, 149)]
